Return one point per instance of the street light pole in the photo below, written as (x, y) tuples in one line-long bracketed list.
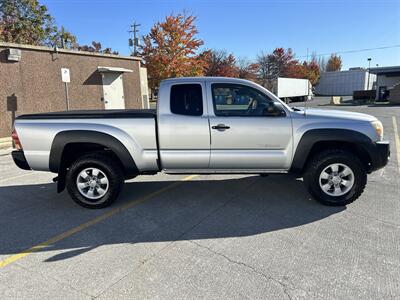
[(377, 94), (369, 71)]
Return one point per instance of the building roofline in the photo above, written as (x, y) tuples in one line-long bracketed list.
[(383, 70), (346, 71), (67, 51)]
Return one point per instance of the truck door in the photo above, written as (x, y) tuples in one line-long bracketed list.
[(249, 130), (184, 135)]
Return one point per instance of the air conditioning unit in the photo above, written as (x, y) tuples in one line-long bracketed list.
[(14, 54)]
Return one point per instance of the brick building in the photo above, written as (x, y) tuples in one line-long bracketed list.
[(31, 81)]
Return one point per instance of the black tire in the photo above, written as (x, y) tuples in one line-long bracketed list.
[(319, 162), (108, 167)]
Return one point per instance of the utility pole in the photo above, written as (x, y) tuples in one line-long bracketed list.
[(135, 41)]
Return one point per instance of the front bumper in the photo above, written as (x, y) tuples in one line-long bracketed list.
[(20, 160), (379, 153)]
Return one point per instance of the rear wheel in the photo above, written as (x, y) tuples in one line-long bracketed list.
[(335, 177), (94, 180)]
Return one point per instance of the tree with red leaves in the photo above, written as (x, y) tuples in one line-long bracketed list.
[(310, 71), (170, 49), (275, 64), (282, 63), (219, 63)]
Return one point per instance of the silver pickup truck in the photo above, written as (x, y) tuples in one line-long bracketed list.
[(203, 126)]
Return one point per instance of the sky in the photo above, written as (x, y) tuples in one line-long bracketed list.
[(246, 28)]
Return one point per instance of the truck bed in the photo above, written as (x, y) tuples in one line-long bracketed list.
[(93, 114), (135, 129)]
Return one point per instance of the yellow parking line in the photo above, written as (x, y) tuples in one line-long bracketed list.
[(397, 141), (92, 222)]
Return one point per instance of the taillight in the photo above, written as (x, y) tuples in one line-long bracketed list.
[(16, 141)]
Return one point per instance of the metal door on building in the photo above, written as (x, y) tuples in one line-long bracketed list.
[(382, 93), (113, 91)]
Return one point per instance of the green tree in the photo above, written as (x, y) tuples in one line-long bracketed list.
[(26, 22), (65, 39)]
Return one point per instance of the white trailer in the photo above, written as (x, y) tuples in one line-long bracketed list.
[(292, 89), (344, 83)]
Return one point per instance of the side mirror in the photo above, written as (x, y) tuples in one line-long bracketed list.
[(274, 109)]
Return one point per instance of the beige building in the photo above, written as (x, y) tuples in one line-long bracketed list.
[(31, 81)]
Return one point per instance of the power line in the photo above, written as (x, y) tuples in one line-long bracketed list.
[(353, 51)]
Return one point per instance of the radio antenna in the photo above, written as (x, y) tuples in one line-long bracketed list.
[(308, 91)]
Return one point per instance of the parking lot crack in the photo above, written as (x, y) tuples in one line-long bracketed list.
[(372, 218), (180, 237), (284, 286)]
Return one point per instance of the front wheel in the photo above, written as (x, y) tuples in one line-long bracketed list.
[(94, 180), (335, 177)]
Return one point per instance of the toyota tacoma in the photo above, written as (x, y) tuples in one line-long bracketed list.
[(208, 125)]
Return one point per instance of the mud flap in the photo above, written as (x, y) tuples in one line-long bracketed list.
[(61, 181)]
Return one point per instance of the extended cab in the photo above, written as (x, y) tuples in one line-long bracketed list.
[(203, 126)]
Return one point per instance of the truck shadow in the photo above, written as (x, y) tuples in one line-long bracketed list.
[(190, 210)]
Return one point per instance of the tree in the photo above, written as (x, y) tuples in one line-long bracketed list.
[(95, 47), (26, 22), (219, 63), (65, 39), (281, 63), (281, 60), (306, 70), (274, 65), (297, 71), (264, 69), (313, 71), (322, 63), (334, 63), (247, 69), (170, 49)]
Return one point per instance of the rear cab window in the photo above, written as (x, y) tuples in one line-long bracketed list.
[(186, 99)]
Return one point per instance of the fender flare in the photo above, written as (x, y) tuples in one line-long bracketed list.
[(313, 136), (64, 138)]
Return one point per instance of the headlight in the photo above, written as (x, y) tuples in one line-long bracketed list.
[(378, 128)]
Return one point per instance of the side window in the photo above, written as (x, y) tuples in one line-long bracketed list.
[(241, 100), (187, 99)]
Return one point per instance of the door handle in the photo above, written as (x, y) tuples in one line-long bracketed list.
[(220, 127)]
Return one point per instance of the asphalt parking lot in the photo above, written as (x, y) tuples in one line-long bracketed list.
[(222, 236)]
